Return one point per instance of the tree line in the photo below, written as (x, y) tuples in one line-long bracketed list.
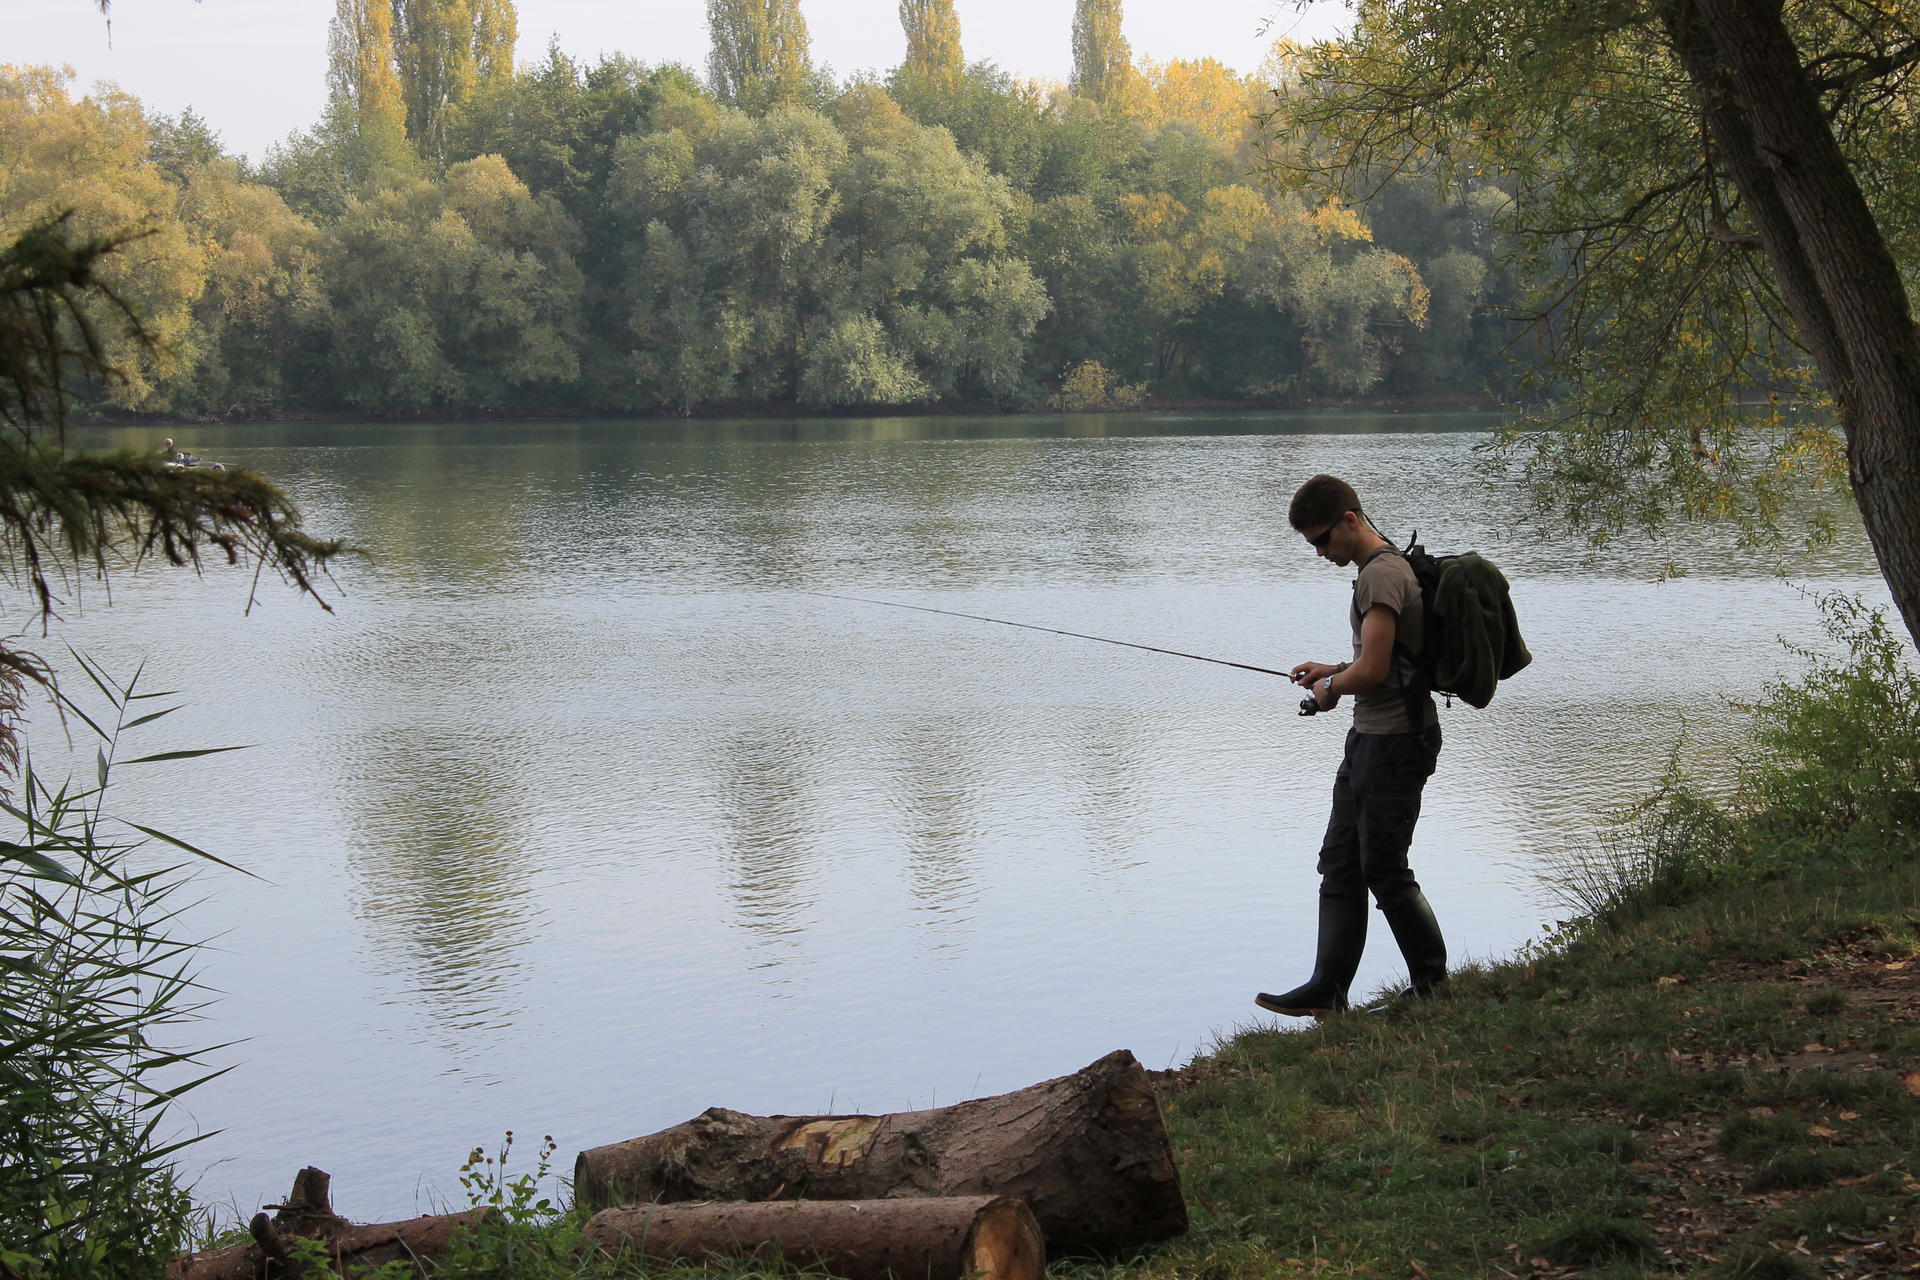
[(459, 235)]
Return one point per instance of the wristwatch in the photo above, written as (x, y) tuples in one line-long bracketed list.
[(1326, 686)]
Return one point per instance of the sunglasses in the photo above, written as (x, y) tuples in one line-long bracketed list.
[(1326, 535)]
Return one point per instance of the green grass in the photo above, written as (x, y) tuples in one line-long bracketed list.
[(1583, 1239), (1759, 1262), (1522, 1116), (1833, 1213)]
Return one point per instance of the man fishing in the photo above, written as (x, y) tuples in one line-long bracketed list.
[(1390, 752)]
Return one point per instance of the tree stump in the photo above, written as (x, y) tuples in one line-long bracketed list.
[(941, 1238), (309, 1213), (1089, 1153)]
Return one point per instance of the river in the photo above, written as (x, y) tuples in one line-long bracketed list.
[(582, 812)]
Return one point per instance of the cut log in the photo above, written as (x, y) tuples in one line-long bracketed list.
[(1089, 1152), (941, 1238), (309, 1212)]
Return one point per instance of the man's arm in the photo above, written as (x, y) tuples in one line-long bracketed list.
[(1368, 670)]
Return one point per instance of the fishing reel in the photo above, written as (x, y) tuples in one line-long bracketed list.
[(1310, 705)]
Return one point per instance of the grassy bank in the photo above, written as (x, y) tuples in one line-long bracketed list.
[(1712, 1071), (1722, 1087), (1719, 1086)]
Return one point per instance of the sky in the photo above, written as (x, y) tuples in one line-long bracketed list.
[(256, 69)]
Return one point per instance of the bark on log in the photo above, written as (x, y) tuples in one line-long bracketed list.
[(941, 1238), (308, 1212), (1089, 1152)]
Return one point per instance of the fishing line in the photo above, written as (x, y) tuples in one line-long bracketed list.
[(1056, 631)]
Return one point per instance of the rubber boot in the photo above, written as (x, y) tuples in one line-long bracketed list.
[(1424, 950), (1342, 937)]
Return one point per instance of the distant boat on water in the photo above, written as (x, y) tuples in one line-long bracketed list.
[(180, 459)]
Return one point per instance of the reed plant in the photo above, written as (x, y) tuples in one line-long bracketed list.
[(95, 986)]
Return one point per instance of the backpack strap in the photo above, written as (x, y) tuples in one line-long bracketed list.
[(1417, 692)]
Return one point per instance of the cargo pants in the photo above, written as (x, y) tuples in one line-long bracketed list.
[(1376, 802)]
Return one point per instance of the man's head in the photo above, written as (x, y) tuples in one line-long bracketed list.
[(1326, 512)]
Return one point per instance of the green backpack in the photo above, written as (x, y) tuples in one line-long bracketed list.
[(1472, 636)]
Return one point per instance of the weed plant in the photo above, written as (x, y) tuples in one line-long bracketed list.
[(1833, 775), (1840, 745), (92, 983), (527, 1236)]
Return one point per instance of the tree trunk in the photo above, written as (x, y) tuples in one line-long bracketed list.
[(1088, 1151), (308, 1212), (1835, 272), (941, 1238)]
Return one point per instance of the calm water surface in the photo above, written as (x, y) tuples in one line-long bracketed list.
[(581, 814)]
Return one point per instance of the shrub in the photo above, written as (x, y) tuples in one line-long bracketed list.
[(1091, 386), (1659, 850), (1840, 745), (1836, 765)]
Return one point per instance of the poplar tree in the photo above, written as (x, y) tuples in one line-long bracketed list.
[(933, 41), (445, 50), (363, 82), (760, 52), (1102, 59), (360, 64)]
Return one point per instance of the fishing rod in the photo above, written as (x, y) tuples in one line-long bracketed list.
[(1307, 706)]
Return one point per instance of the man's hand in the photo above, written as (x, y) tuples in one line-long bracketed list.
[(1305, 673)]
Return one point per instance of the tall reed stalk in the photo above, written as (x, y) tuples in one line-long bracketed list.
[(93, 987)]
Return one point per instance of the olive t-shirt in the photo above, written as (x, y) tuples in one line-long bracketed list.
[(1387, 579)]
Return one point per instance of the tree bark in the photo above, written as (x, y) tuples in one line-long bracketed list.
[(1835, 271), (1088, 1151), (940, 1238), (309, 1212)]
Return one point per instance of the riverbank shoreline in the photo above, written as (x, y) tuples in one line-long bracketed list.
[(1462, 402), (1725, 1086)]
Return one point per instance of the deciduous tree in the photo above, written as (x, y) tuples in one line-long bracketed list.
[(933, 42), (789, 259), (365, 128), (761, 54), (263, 312), (462, 291), (445, 50), (1721, 193), (363, 66), (1102, 58), (88, 159), (1203, 93)]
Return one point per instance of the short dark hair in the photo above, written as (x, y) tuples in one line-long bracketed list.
[(1321, 501)]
